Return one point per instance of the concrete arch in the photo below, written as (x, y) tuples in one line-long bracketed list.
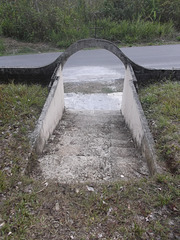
[(46, 74), (92, 42)]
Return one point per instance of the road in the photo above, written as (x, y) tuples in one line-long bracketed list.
[(99, 62)]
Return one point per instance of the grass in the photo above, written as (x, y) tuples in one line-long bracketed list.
[(135, 31), (36, 209), (124, 210), (161, 105), (19, 109)]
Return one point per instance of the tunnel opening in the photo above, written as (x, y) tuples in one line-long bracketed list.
[(93, 80)]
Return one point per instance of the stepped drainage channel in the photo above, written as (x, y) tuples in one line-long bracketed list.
[(91, 142)]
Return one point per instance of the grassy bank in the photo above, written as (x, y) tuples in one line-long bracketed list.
[(161, 104), (36, 209)]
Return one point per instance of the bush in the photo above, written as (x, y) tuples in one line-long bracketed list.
[(63, 22)]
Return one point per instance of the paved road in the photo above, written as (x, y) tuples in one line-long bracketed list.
[(90, 63), (166, 56)]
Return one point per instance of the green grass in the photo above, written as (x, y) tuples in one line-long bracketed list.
[(36, 209), (161, 104), (19, 109)]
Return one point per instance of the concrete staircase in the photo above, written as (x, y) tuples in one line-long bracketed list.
[(92, 142)]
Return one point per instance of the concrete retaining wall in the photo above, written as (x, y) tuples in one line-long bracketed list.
[(145, 76), (136, 120), (50, 115)]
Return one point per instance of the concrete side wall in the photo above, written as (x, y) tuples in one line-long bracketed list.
[(50, 115), (136, 120), (146, 76)]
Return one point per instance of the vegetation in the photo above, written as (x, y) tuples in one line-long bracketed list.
[(2, 47), (64, 21), (19, 108), (161, 105), (32, 208)]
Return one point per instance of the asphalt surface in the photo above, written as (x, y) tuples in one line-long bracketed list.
[(99, 63), (164, 56)]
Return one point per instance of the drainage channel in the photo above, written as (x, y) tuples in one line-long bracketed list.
[(91, 142)]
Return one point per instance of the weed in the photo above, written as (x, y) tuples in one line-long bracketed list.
[(163, 199), (138, 230)]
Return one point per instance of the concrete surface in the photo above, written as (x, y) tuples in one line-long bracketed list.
[(50, 115), (136, 121), (101, 101), (91, 146)]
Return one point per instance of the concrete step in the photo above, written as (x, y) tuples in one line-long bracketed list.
[(91, 146), (88, 87)]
